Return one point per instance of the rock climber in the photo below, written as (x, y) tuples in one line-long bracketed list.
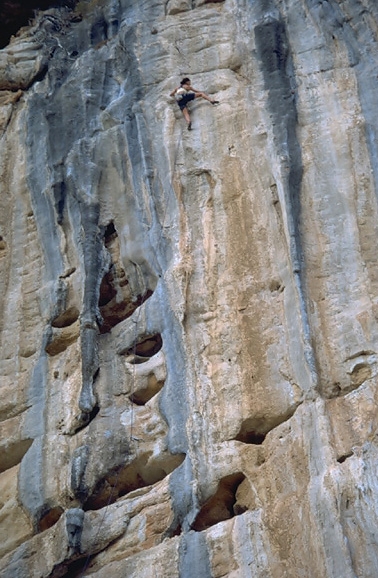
[(184, 94)]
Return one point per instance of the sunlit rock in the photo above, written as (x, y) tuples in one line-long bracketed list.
[(188, 369)]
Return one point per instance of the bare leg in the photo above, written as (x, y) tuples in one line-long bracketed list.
[(203, 95), (186, 114)]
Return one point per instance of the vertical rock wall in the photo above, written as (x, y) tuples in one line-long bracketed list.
[(189, 319)]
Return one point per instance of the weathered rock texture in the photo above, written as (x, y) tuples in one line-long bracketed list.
[(189, 319), (15, 14)]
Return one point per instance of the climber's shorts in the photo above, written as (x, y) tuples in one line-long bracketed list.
[(185, 99)]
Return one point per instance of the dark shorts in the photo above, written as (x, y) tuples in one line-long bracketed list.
[(185, 99)]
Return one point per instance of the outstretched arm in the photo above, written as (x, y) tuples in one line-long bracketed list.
[(174, 91), (191, 89)]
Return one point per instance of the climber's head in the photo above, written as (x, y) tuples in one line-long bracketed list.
[(185, 81)]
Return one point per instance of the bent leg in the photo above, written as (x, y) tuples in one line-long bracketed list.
[(203, 95), (186, 114)]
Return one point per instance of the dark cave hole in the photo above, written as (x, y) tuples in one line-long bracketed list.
[(59, 192), (49, 517), (107, 289), (84, 419), (73, 569), (220, 506), (254, 429), (142, 396), (87, 418), (342, 459), (250, 437), (176, 532), (175, 529), (144, 349), (128, 477), (67, 318), (14, 14), (99, 32), (249, 433), (114, 307), (116, 300), (110, 233), (93, 413)]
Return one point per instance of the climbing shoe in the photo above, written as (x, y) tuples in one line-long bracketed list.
[(215, 102), (190, 126)]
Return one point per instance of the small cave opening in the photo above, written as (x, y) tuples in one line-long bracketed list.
[(86, 418), (62, 338), (144, 349), (110, 234), (250, 437), (344, 457), (126, 478), (14, 14), (75, 569), (116, 299), (107, 288), (250, 433), (142, 396), (114, 306), (254, 429), (59, 193), (49, 517), (67, 318), (220, 506), (175, 529), (93, 413)]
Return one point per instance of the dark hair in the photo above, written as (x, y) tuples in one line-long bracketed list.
[(185, 81)]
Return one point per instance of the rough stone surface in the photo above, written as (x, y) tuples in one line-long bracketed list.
[(188, 370)]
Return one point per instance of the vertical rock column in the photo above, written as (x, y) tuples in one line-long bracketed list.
[(84, 175)]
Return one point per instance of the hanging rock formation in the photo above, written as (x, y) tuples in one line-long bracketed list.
[(189, 319)]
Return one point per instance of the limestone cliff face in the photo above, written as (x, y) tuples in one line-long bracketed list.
[(189, 319)]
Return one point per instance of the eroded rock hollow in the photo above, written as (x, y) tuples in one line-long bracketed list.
[(189, 318)]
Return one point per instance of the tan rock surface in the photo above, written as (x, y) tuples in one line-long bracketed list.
[(188, 369)]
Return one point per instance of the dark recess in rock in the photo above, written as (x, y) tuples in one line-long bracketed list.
[(110, 233), (220, 506), (59, 192), (99, 31), (344, 457), (73, 570), (144, 349), (254, 429), (141, 397), (17, 13), (107, 289), (49, 517), (86, 418), (250, 437), (67, 318), (130, 476), (116, 300)]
